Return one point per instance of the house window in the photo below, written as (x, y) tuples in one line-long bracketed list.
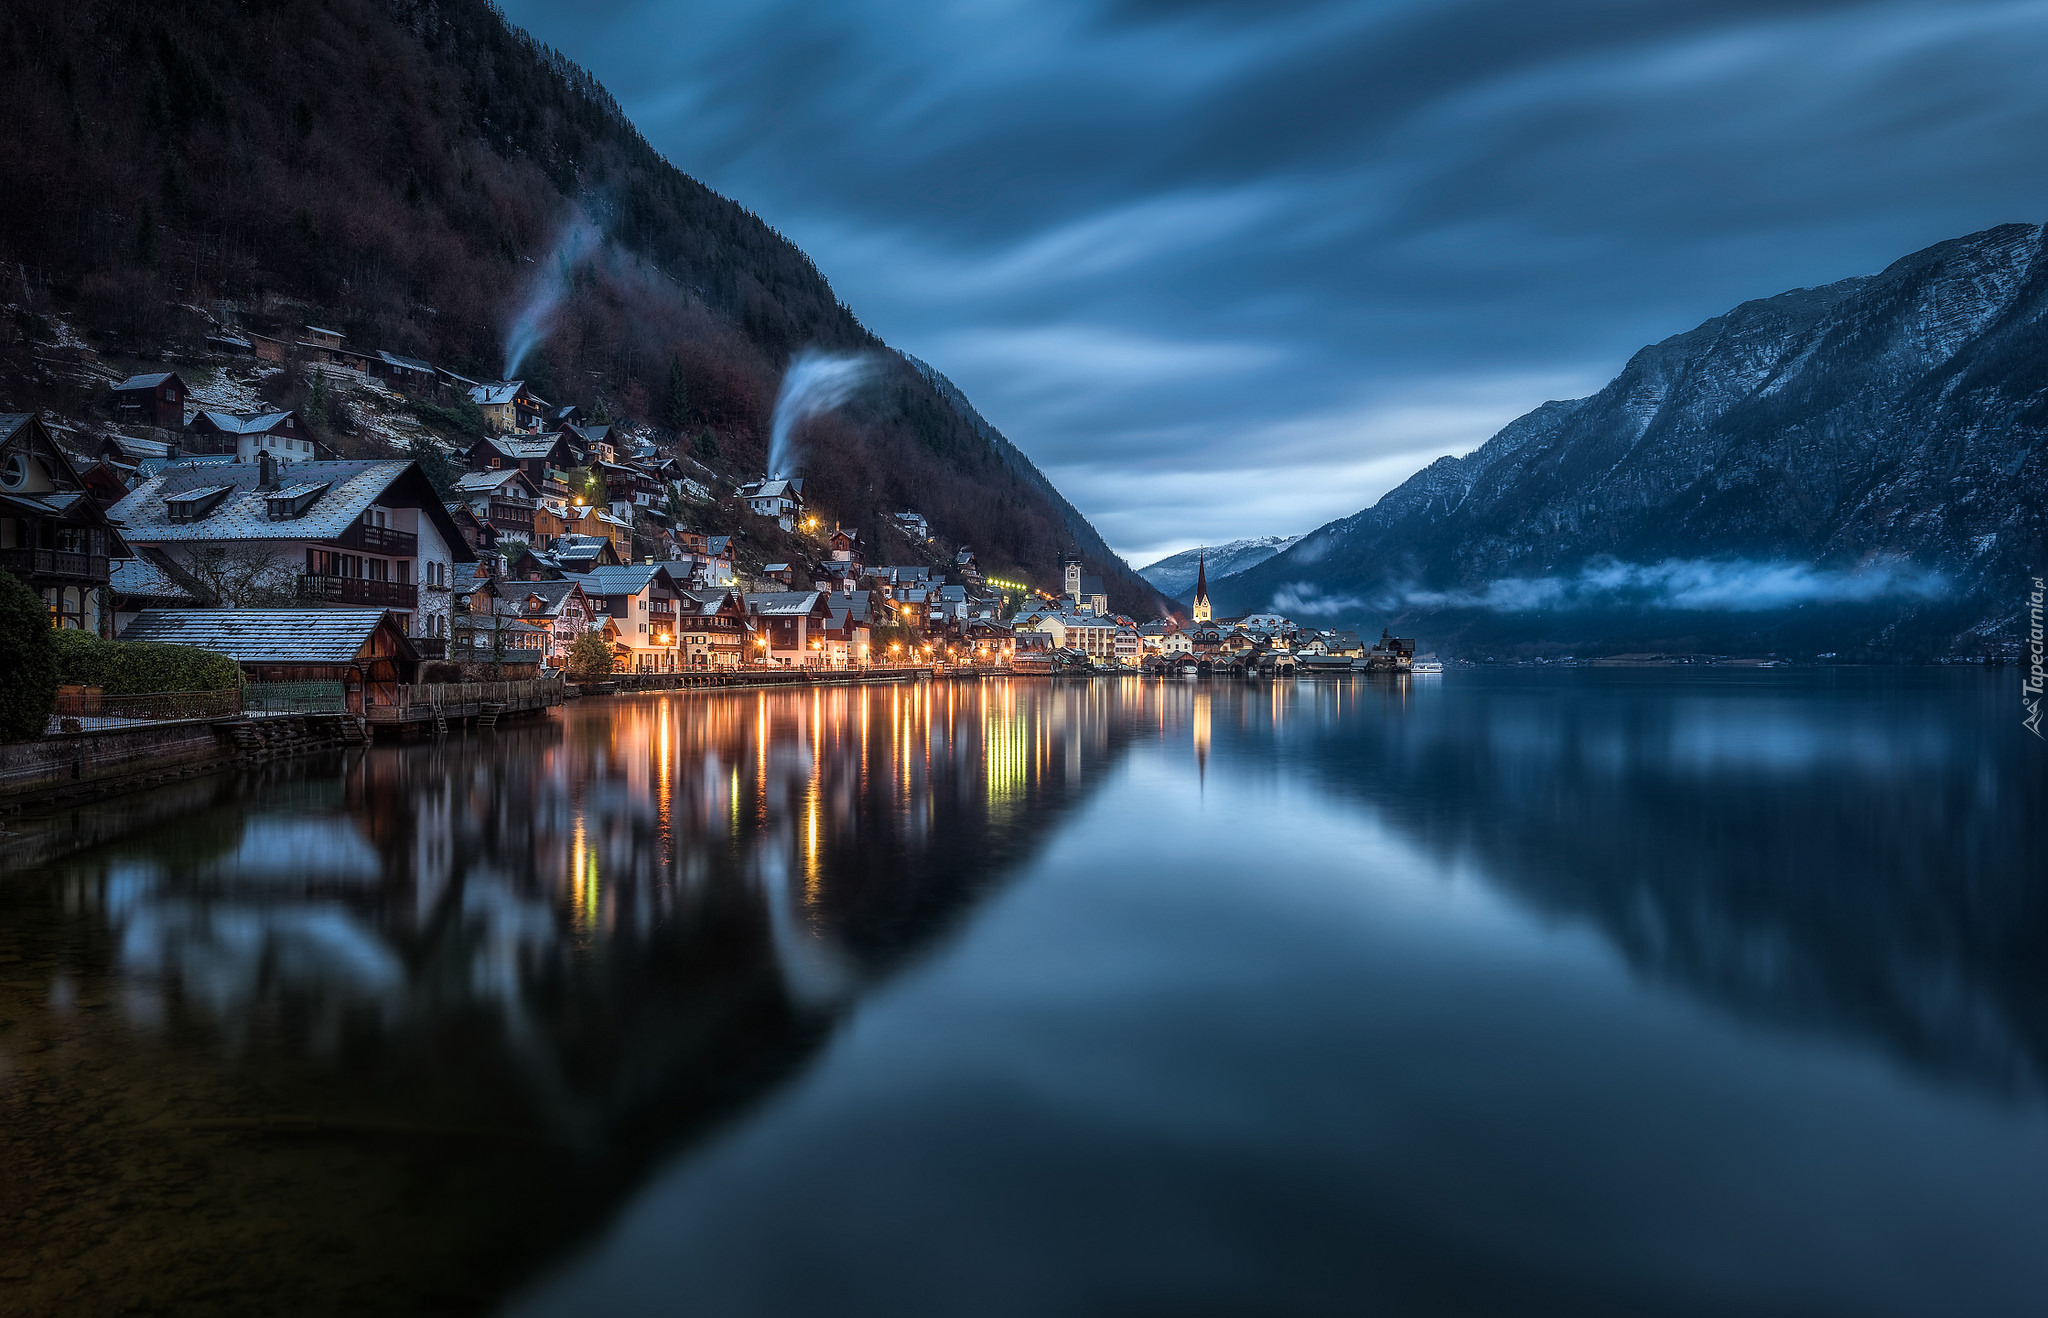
[(66, 605)]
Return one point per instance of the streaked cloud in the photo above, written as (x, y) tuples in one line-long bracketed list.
[(1233, 268)]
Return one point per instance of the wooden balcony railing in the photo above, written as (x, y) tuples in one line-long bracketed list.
[(54, 563), (380, 540), (358, 590)]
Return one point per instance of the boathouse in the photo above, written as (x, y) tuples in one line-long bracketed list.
[(365, 652)]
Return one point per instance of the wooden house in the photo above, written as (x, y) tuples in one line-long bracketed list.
[(54, 534), (365, 650), (152, 400)]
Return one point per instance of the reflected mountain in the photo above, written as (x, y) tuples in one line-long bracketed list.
[(1854, 853)]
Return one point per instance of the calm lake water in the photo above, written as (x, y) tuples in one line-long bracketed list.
[(1588, 992)]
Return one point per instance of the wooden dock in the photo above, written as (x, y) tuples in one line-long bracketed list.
[(442, 706)]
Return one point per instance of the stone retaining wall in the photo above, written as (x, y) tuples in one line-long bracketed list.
[(97, 760)]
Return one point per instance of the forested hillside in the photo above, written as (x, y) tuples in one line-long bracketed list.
[(419, 175)]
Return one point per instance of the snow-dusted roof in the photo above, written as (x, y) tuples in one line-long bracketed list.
[(497, 393), (243, 423), (782, 603), (143, 381), (479, 482), (775, 489), (141, 578), (274, 636), (245, 513), (409, 363), (525, 448), (627, 579)]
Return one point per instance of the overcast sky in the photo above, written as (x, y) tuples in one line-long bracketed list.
[(1236, 267)]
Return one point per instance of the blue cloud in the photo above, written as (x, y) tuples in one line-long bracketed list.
[(1229, 268)]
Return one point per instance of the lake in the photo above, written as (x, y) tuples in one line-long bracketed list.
[(1589, 991)]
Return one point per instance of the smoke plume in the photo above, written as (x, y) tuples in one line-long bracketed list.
[(551, 283), (815, 383)]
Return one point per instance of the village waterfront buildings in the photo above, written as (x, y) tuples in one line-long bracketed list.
[(551, 527)]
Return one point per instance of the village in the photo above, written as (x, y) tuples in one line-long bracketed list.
[(240, 532)]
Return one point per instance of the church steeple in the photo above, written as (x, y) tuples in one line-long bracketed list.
[(1202, 586)]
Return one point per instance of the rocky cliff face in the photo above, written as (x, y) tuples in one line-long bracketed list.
[(1175, 574), (1856, 468)]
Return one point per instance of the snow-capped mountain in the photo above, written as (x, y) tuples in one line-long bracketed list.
[(1175, 574), (1856, 468)]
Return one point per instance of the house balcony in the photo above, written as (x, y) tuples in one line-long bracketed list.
[(380, 540), (55, 563), (431, 647), (358, 590)]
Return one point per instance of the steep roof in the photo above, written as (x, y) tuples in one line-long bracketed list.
[(782, 603), (480, 482), (144, 578), (144, 381), (269, 636), (242, 423), (497, 393), (627, 579), (552, 593), (245, 513)]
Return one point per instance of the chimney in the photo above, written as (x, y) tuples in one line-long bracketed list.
[(267, 480)]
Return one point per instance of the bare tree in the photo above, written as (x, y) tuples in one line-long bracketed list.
[(244, 578)]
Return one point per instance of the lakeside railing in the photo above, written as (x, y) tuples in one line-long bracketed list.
[(699, 679), (294, 698), (86, 702)]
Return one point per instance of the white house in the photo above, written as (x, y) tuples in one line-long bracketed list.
[(780, 499)]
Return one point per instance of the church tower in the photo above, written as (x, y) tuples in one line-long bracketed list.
[(1201, 587), (1070, 576)]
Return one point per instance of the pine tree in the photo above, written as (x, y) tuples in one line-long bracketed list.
[(675, 413)]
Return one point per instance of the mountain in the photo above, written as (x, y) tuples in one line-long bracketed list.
[(1853, 469), (1094, 550), (1174, 575), (430, 181)]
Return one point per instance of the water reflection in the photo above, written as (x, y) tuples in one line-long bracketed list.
[(574, 947), (1855, 852), (576, 884), (1586, 993)]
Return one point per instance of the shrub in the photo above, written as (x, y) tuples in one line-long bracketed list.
[(134, 668), (29, 660), (590, 658), (463, 417)]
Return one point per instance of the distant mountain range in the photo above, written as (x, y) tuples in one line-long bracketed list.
[(1855, 469), (1174, 575)]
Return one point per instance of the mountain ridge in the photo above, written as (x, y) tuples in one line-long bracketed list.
[(1852, 468), (1174, 575)]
